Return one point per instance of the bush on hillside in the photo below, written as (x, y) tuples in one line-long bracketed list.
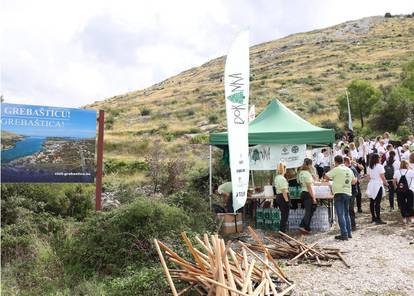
[(110, 241), (145, 111), (213, 118), (59, 200), (339, 132), (123, 167)]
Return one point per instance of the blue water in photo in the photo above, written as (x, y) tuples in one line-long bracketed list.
[(25, 147)]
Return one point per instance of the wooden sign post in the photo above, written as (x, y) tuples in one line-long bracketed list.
[(99, 161)]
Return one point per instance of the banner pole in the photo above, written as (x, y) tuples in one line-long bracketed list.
[(210, 177), (99, 161)]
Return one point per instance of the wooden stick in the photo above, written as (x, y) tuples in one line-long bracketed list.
[(272, 285), (222, 285), (265, 250), (259, 288), (186, 289), (287, 290), (192, 251), (247, 278), (300, 243), (164, 265), (343, 260), (306, 249), (264, 263)]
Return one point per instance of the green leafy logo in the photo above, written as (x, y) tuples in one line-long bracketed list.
[(237, 97)]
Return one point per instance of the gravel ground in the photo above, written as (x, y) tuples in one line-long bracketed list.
[(381, 259)]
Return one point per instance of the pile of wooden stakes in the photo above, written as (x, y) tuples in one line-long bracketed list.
[(219, 270), (295, 250)]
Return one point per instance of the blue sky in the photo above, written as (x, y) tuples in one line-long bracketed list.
[(73, 52), (81, 124)]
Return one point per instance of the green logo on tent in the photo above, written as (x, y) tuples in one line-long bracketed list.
[(237, 98)]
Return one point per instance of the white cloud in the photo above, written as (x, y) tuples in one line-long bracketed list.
[(70, 53)]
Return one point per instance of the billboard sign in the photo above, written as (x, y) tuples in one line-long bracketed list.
[(47, 144)]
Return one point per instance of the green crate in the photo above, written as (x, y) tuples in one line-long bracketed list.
[(275, 214), (267, 213), (276, 226), (268, 224), (259, 213), (260, 224)]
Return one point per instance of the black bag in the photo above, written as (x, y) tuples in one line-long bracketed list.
[(389, 171), (402, 186)]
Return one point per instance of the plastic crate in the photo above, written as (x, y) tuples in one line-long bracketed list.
[(259, 213), (268, 224), (275, 214), (260, 223), (276, 225), (267, 213)]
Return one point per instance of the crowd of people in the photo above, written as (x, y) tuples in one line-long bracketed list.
[(387, 165)]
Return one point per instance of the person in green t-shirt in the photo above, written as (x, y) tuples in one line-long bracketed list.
[(307, 196), (282, 196), (342, 178)]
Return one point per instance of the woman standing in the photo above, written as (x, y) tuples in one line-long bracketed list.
[(307, 196), (353, 151), (391, 165), (404, 188), (375, 188), (282, 196)]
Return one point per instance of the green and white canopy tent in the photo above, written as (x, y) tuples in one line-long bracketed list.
[(277, 124)]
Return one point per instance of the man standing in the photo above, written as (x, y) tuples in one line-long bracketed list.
[(355, 188), (343, 178)]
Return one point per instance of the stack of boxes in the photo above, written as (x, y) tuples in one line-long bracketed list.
[(268, 219)]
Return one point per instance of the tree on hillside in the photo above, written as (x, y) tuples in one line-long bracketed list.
[(362, 98), (407, 76), (392, 112), (395, 112)]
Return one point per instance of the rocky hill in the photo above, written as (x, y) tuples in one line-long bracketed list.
[(306, 71)]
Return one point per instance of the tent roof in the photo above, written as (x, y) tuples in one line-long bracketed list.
[(279, 125)]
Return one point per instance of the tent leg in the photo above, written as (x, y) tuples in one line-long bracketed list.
[(210, 178)]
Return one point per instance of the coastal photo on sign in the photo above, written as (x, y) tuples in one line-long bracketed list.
[(47, 144)]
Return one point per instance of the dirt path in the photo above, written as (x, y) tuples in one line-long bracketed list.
[(381, 259)]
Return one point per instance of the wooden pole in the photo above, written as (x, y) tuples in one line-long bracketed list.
[(166, 271), (99, 161)]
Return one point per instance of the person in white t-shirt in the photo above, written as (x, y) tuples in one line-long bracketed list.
[(375, 188), (386, 138), (405, 152), (381, 148), (405, 192), (353, 151)]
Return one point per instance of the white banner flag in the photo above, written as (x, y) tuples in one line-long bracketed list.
[(267, 157), (236, 88)]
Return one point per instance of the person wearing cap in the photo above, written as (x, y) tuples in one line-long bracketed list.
[(225, 190), (282, 195)]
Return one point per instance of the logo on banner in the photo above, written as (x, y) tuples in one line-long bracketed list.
[(295, 149)]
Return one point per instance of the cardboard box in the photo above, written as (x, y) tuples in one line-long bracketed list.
[(231, 223)]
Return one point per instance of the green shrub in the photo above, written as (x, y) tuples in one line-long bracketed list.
[(213, 118), (109, 122), (200, 139), (146, 281), (123, 167), (110, 241), (333, 125), (145, 111)]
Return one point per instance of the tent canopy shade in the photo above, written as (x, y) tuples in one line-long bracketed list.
[(277, 124)]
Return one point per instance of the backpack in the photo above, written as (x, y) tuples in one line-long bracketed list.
[(389, 171), (383, 158), (402, 186)]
